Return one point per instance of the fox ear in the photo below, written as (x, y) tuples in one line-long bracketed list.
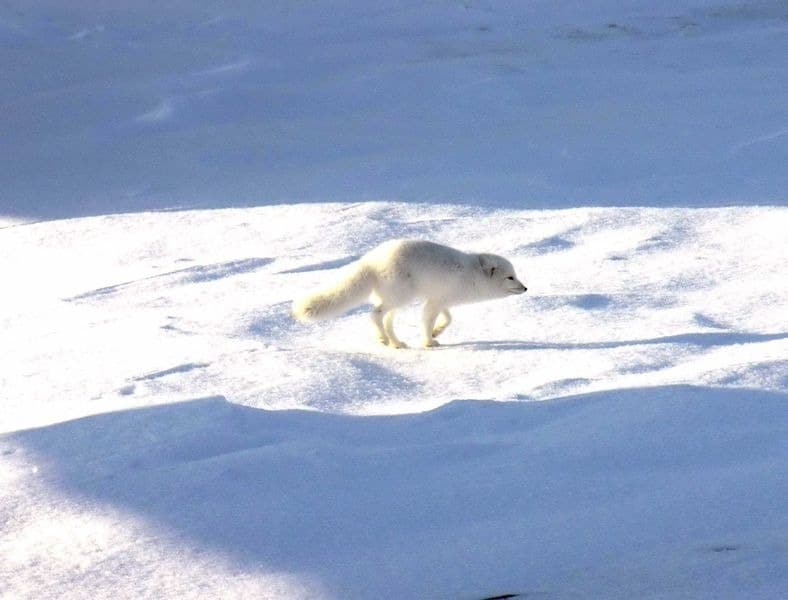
[(487, 266)]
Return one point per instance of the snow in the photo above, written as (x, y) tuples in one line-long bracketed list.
[(598, 495), (173, 176), (122, 106)]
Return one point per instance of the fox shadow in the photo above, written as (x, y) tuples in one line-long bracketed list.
[(703, 340)]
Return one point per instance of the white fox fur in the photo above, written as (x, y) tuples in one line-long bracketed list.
[(399, 271)]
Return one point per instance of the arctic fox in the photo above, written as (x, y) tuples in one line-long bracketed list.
[(399, 271)]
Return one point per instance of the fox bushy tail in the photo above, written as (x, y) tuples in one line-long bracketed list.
[(347, 293)]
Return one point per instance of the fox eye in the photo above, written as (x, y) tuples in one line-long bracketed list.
[(510, 278)]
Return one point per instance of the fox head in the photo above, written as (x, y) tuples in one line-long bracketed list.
[(499, 275)]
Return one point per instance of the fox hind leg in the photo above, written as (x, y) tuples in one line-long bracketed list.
[(383, 320), (444, 320), (388, 328)]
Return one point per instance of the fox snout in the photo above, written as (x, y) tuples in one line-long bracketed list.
[(516, 287)]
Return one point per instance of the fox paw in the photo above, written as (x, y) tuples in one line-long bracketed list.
[(431, 344), (397, 344)]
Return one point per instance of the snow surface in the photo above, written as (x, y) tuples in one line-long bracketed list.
[(167, 430), (130, 104)]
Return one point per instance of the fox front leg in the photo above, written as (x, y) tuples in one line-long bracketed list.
[(377, 320), (428, 316)]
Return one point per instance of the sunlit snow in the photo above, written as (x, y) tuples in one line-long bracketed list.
[(173, 175)]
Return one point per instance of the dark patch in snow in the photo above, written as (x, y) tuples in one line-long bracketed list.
[(127, 390), (600, 33), (645, 367), (627, 302), (769, 374), (553, 243), (196, 274), (668, 239), (720, 549), (591, 301), (705, 340), (561, 386), (184, 368), (173, 328), (706, 321), (221, 270), (321, 266)]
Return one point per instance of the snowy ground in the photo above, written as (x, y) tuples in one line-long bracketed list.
[(167, 430), (122, 105), (618, 298), (665, 478)]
